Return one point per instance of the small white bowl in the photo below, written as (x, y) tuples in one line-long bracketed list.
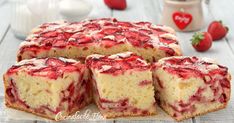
[(74, 10)]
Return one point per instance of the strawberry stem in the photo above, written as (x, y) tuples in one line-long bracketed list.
[(220, 21), (227, 28)]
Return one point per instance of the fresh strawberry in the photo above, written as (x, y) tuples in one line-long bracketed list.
[(217, 30), (201, 41), (116, 4)]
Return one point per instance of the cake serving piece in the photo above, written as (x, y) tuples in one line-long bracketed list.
[(191, 86), (46, 87), (104, 36), (122, 85)]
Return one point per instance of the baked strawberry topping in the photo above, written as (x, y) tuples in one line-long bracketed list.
[(49, 67), (106, 32), (186, 67), (169, 51), (116, 64)]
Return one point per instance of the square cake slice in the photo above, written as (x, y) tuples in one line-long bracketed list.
[(191, 86), (122, 85), (47, 87)]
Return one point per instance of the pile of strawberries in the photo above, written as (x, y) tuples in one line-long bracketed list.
[(202, 41)]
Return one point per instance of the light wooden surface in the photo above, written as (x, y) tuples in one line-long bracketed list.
[(141, 10)]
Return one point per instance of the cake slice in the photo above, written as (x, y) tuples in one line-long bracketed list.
[(47, 87), (191, 86), (104, 36), (122, 85)]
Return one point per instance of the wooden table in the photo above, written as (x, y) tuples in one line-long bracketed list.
[(142, 10)]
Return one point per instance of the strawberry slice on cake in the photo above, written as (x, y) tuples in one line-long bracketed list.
[(122, 85), (46, 87), (188, 86)]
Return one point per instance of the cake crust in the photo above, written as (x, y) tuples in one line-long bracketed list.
[(40, 115), (198, 114)]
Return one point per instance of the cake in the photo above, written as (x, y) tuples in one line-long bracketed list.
[(47, 87), (187, 86), (122, 85), (104, 36)]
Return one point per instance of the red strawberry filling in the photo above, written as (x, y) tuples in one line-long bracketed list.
[(117, 66), (124, 24), (192, 66), (75, 96), (81, 39), (145, 82), (54, 62), (137, 39), (107, 43), (214, 76), (51, 68), (34, 49), (169, 51), (121, 105), (92, 26), (167, 41), (110, 31)]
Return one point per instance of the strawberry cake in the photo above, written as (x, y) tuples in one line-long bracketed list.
[(46, 87), (104, 36), (122, 85), (190, 86)]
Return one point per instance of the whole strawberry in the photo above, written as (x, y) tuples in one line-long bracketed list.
[(201, 41), (116, 4), (217, 30)]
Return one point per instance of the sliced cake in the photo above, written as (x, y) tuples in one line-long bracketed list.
[(46, 87), (191, 86), (122, 85), (104, 36)]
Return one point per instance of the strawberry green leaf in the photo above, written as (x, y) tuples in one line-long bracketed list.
[(197, 37)]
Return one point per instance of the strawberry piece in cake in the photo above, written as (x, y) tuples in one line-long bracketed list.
[(191, 86), (122, 85), (104, 36), (46, 87)]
